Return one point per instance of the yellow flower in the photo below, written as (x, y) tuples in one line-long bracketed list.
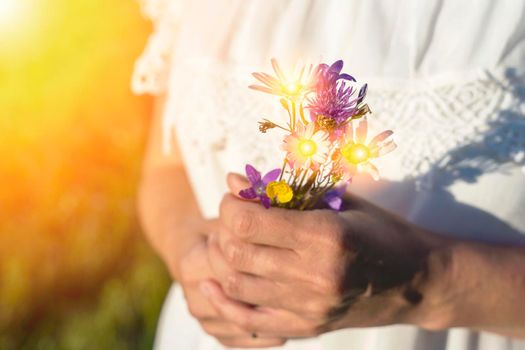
[(306, 147), (280, 190), (356, 153)]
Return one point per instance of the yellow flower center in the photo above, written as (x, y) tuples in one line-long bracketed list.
[(356, 153), (280, 190), (292, 88), (307, 147)]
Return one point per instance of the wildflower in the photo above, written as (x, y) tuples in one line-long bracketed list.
[(334, 198), (294, 87), (258, 188), (280, 190), (355, 154), (327, 76), (334, 98), (336, 103), (306, 147)]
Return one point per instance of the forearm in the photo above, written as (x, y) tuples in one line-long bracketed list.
[(477, 286), (168, 212)]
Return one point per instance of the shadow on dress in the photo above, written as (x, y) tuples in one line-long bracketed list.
[(501, 149)]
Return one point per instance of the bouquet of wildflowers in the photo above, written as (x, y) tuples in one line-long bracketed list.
[(325, 140)]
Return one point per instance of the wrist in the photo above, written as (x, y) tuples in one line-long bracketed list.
[(450, 283)]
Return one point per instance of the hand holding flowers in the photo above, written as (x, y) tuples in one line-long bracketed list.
[(310, 272)]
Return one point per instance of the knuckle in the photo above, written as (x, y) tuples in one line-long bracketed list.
[(329, 227), (233, 253), (232, 285), (243, 223), (329, 286), (317, 310)]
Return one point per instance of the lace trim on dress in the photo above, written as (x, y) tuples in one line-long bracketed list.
[(449, 129), (458, 129), (152, 67)]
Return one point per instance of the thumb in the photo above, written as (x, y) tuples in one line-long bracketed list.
[(236, 183)]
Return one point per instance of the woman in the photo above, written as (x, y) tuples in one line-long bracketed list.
[(446, 76)]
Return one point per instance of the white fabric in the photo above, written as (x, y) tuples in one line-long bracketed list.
[(446, 75)]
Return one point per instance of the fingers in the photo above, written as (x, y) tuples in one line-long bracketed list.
[(253, 223), (220, 328), (247, 343), (255, 259), (232, 335), (236, 183), (199, 306), (241, 314), (266, 321), (241, 286)]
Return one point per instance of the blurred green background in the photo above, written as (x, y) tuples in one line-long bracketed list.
[(75, 271)]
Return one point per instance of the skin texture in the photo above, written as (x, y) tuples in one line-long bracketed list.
[(318, 271)]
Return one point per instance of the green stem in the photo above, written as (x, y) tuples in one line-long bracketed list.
[(282, 170)]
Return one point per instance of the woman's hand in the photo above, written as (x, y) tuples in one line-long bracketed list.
[(176, 230), (195, 268), (316, 271)]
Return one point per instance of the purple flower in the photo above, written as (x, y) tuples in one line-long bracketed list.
[(327, 76), (334, 197), (258, 189), (334, 102)]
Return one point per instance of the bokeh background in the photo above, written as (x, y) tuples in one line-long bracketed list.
[(75, 271)]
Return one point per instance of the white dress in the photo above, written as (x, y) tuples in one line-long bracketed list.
[(446, 75)]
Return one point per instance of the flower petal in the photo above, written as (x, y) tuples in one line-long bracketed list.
[(334, 202), (248, 193), (264, 89), (387, 148), (336, 67), (270, 176), (334, 197), (362, 93), (379, 138), (278, 71), (266, 79), (265, 201), (252, 174), (345, 76)]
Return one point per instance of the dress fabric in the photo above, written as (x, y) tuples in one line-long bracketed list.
[(448, 76)]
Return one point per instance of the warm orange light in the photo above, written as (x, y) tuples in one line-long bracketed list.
[(10, 12)]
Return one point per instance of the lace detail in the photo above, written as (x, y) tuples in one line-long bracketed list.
[(455, 128), (152, 67), (449, 127)]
